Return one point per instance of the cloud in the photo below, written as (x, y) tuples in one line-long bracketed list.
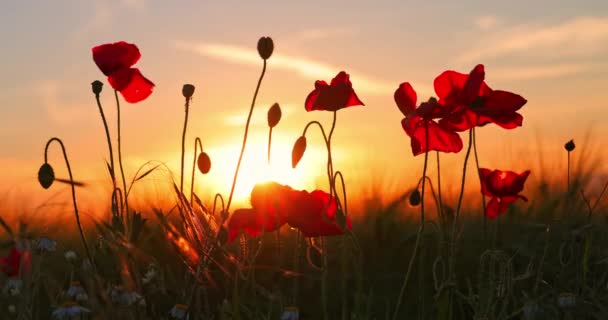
[(306, 68), (103, 16), (59, 109), (259, 118), (318, 33), (577, 37), (486, 22), (540, 72)]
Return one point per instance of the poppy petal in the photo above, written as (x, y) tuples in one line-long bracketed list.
[(472, 87), (112, 57), (405, 98), (439, 138), (448, 86), (338, 95), (493, 208), (313, 95), (133, 86)]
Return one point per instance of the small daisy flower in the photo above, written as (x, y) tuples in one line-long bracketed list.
[(179, 311), (70, 310), (77, 292), (70, 256), (45, 244), (12, 287)]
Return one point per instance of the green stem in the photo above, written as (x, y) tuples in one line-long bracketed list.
[(181, 180), (109, 140), (197, 143), (457, 214), (238, 165), (76, 214), (483, 200), (324, 274), (420, 230), (269, 144), (439, 187), (122, 171)]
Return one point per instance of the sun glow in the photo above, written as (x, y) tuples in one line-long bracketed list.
[(255, 168)]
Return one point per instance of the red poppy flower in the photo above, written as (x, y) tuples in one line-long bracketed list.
[(473, 103), (15, 262), (503, 187), (112, 57), (273, 205), (133, 86), (314, 215), (270, 203), (419, 121), (115, 60), (337, 95)]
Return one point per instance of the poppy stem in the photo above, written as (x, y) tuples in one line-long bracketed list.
[(269, 144), (238, 165), (324, 274), (109, 140), (440, 209), (76, 214), (464, 175), (568, 186), (181, 180), (197, 143), (420, 230), (122, 171), (483, 199), (457, 214)]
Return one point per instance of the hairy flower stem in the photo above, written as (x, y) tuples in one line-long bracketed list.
[(483, 199), (440, 209), (199, 144), (122, 171), (76, 214), (324, 273), (452, 251), (269, 144), (181, 180), (109, 140), (238, 165), (568, 187), (420, 230)]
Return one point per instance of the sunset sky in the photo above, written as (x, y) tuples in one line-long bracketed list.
[(551, 52)]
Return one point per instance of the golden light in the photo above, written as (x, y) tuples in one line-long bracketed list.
[(256, 169)]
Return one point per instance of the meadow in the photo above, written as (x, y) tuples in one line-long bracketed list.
[(503, 249)]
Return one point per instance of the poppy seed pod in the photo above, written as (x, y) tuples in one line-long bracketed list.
[(569, 146), (274, 115), (298, 151), (415, 198), (97, 86), (265, 47), (46, 175), (204, 163), (188, 91)]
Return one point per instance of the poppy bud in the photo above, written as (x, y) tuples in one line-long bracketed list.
[(265, 47), (415, 198), (46, 176), (298, 151), (569, 146), (188, 91), (97, 86), (274, 115), (204, 163)]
